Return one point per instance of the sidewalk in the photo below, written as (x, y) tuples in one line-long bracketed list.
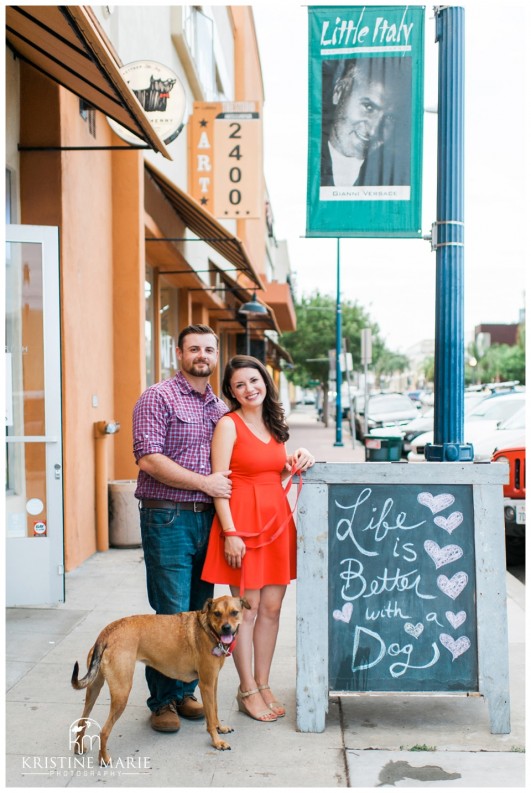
[(44, 643)]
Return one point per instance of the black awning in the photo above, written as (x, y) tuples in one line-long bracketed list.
[(68, 45)]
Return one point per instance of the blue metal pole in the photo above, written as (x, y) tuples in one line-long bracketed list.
[(339, 418), (448, 241)]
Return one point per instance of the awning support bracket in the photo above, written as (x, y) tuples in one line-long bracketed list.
[(81, 148)]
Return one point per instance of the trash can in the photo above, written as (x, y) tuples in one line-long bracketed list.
[(124, 518), (383, 448)]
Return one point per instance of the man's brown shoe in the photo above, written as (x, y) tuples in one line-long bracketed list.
[(166, 719), (190, 708)]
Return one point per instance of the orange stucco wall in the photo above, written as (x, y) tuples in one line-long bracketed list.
[(128, 302), (73, 190)]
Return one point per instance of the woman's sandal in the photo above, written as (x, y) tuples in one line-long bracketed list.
[(264, 716), (276, 707)]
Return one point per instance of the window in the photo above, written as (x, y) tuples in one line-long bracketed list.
[(88, 114), (169, 331), (198, 31)]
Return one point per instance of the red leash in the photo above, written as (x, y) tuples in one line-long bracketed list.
[(277, 533)]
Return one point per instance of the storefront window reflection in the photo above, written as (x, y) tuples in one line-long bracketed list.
[(169, 331), (149, 327)]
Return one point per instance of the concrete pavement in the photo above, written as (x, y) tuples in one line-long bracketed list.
[(371, 741)]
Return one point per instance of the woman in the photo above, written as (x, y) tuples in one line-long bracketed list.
[(252, 543)]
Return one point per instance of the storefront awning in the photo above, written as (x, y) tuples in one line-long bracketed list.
[(204, 226), (280, 352), (68, 45)]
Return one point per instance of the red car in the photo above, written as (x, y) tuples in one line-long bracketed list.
[(514, 503)]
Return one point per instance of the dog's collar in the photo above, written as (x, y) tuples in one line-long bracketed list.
[(219, 648), (223, 649)]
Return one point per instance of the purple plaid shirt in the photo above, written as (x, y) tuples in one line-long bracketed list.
[(171, 418)]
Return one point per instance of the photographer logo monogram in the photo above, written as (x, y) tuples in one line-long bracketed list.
[(85, 764)]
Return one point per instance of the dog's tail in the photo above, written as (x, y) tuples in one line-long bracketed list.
[(94, 668)]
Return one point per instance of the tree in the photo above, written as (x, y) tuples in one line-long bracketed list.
[(316, 335), (500, 362), (388, 363)]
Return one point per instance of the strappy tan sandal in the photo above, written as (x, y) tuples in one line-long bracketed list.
[(276, 707), (264, 716)]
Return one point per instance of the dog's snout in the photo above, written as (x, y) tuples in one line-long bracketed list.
[(226, 627)]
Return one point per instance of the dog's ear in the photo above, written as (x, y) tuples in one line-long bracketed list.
[(208, 604), (245, 603)]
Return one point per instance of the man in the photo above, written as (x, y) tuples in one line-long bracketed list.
[(366, 143), (173, 423)]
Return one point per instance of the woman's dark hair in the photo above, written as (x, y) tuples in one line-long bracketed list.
[(272, 411)]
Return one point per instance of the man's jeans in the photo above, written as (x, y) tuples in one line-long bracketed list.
[(174, 543)]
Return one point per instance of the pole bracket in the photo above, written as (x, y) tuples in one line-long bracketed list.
[(449, 452), (448, 228)]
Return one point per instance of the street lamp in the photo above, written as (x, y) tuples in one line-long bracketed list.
[(251, 309)]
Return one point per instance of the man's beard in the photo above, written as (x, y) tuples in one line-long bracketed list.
[(195, 371)]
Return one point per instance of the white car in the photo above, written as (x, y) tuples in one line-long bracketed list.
[(483, 420), (424, 423), (509, 434)]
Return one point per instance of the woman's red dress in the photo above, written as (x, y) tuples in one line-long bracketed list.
[(259, 506)]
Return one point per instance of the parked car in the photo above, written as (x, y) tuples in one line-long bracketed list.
[(424, 423), (514, 503), (484, 419), (385, 411), (510, 433)]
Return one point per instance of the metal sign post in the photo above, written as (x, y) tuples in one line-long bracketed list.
[(448, 242), (366, 359), (339, 417)]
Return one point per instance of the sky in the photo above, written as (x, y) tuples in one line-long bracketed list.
[(394, 279)]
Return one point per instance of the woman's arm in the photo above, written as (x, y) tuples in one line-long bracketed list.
[(221, 452), (223, 442)]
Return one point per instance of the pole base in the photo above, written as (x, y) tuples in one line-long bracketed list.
[(449, 453)]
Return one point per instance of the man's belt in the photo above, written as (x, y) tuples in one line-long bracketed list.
[(194, 506)]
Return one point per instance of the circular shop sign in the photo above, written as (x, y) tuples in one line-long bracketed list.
[(161, 94)]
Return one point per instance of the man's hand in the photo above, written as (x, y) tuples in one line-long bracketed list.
[(218, 485)]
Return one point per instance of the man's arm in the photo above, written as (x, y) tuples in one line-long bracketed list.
[(170, 473)]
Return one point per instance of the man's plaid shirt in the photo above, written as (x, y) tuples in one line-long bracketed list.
[(171, 418)]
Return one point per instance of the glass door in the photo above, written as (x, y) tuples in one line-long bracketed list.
[(33, 450)]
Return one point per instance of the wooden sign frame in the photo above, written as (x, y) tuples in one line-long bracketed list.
[(313, 611)]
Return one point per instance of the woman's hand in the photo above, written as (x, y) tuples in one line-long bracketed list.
[(301, 460), (234, 550)]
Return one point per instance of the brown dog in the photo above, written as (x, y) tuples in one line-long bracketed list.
[(183, 646)]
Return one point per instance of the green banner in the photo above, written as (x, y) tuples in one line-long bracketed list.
[(366, 80)]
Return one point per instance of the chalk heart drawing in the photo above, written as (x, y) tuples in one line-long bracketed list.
[(452, 586), (456, 646), (414, 630), (442, 556), (436, 503), (454, 619), (450, 523), (344, 614)]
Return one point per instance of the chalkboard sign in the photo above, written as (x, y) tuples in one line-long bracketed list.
[(401, 585), (401, 574)]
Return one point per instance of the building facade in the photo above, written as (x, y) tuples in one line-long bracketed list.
[(131, 259)]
